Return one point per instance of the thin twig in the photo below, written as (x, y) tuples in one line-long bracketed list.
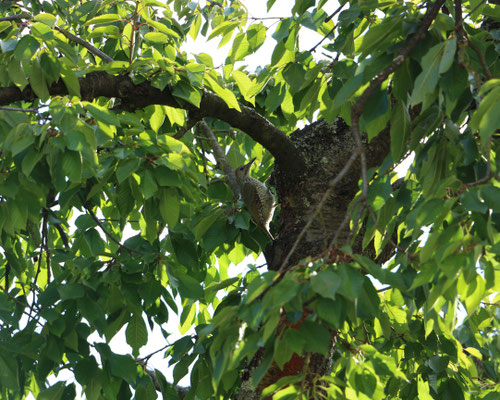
[(326, 20), (344, 222), (482, 60), (109, 235), (15, 17), (322, 40), (6, 279), (62, 234), (221, 158), (87, 45), (39, 264), (145, 359), (34, 109), (481, 3), (190, 124)]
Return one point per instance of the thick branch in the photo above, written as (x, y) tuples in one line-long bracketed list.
[(133, 97), (258, 128)]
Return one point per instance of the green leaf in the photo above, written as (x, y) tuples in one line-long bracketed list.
[(189, 287), (224, 93), (400, 131), (126, 168), (136, 333), (123, 367), (294, 75), (16, 74), (26, 48), (486, 118), (157, 118), (326, 283), (245, 84), (72, 165), (448, 55), (157, 37), (71, 291), (352, 281), (101, 114), (427, 80), (9, 377), (187, 92), (19, 139), (103, 19), (317, 338), (37, 81), (423, 390), (55, 392), (188, 316), (170, 207), (71, 81), (46, 18)]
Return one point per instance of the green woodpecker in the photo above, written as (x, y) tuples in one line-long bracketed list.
[(257, 197)]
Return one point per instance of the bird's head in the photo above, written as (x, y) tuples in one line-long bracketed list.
[(243, 170)]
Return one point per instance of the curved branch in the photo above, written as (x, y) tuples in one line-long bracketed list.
[(221, 158), (137, 96)]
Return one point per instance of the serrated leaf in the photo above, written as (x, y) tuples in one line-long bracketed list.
[(427, 80), (170, 206), (448, 55), (204, 224), (187, 92), (46, 18), (54, 392), (71, 82), (326, 283), (9, 372), (486, 118), (103, 19), (157, 37), (223, 93), (37, 81), (123, 367), (136, 333), (245, 84), (16, 74), (71, 291), (101, 114), (126, 168), (72, 165), (400, 131), (157, 118), (26, 48)]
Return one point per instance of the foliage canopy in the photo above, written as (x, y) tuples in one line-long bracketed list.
[(112, 213)]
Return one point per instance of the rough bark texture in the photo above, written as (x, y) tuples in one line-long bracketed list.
[(326, 149)]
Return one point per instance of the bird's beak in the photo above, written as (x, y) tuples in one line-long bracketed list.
[(249, 164)]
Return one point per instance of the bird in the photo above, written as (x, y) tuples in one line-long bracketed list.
[(257, 197)]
